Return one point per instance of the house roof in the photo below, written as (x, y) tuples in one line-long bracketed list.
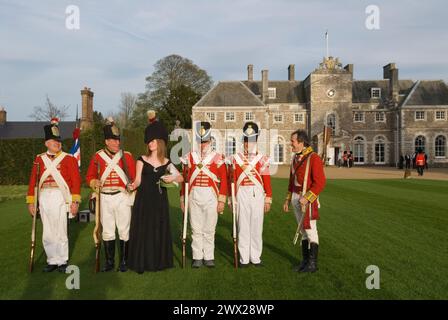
[(432, 92), (286, 91), (362, 89), (228, 94), (28, 129)]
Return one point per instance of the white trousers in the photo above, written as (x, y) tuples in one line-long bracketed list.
[(115, 213), (250, 209), (53, 212), (307, 234), (203, 218)]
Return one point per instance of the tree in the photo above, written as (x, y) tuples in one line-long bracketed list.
[(48, 111), (126, 108), (178, 107), (172, 72), (175, 80)]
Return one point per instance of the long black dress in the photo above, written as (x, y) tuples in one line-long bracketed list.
[(150, 242)]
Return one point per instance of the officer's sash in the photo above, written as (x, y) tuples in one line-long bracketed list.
[(248, 170), (51, 169), (201, 166), (112, 164)]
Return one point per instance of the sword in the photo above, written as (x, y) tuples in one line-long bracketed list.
[(184, 229)]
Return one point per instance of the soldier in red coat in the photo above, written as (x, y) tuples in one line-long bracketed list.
[(117, 171), (253, 193), (306, 182), (420, 162), (59, 194), (206, 173)]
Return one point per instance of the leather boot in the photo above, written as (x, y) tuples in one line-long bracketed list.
[(109, 250), (123, 256), (312, 264), (305, 256)]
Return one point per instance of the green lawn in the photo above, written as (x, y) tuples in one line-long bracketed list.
[(399, 225)]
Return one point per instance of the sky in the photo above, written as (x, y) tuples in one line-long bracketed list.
[(118, 42)]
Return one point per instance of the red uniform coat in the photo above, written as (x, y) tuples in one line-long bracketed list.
[(260, 172), (420, 159), (216, 166), (315, 185), (113, 181), (69, 170)]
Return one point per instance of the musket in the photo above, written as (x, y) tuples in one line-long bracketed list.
[(97, 229), (184, 228), (234, 222), (36, 212)]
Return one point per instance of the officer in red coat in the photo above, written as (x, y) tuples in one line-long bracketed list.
[(206, 173), (117, 171), (306, 182), (59, 194), (253, 193)]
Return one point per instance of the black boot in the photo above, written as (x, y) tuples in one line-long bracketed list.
[(109, 250), (312, 263), (123, 256), (305, 256)]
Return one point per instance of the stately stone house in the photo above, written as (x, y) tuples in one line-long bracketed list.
[(378, 120)]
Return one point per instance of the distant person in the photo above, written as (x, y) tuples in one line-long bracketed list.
[(401, 162), (407, 159), (426, 161), (420, 162), (345, 159), (349, 159)]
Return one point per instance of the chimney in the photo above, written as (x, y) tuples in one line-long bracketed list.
[(87, 109), (349, 68), (291, 71), (250, 72), (2, 116), (264, 86), (390, 72)]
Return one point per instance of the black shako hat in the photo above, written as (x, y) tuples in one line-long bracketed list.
[(250, 131), (203, 131), (156, 130), (52, 130), (111, 131)]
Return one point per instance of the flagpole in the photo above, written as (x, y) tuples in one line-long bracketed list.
[(326, 40)]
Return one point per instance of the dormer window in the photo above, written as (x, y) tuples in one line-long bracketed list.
[(375, 93)]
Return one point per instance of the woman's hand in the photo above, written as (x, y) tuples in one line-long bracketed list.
[(131, 186), (168, 178)]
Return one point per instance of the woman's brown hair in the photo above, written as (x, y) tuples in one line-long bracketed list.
[(161, 150)]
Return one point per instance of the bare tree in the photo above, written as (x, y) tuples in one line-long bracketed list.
[(126, 107), (48, 111)]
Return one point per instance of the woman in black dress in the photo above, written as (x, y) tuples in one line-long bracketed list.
[(150, 243)]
